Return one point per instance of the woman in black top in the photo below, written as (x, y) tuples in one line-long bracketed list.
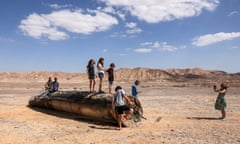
[(91, 74)]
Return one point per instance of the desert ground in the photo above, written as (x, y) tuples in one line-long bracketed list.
[(176, 114)]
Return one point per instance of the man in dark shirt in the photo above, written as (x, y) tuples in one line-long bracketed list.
[(55, 86)]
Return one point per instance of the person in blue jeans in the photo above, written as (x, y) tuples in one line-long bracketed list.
[(135, 89)]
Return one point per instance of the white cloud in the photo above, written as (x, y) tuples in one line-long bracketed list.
[(119, 35), (233, 13), (111, 10), (182, 47), (131, 25), (105, 50), (132, 28), (134, 31), (57, 25), (57, 6), (123, 54), (159, 46), (37, 25), (236, 47), (5, 39), (153, 11), (208, 39), (164, 46), (146, 43), (143, 50), (131, 31)]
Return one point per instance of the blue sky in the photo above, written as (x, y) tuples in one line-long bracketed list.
[(62, 35)]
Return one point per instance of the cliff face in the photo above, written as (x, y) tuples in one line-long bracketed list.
[(126, 74)]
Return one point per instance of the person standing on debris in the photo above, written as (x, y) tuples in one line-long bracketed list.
[(48, 84), (221, 103), (91, 75), (101, 70), (135, 88), (120, 106), (111, 76)]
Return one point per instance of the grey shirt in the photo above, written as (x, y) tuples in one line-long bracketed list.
[(118, 98)]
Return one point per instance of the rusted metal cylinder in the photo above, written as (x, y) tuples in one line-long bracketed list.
[(97, 106)]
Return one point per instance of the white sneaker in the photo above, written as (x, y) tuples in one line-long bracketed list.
[(224, 119)]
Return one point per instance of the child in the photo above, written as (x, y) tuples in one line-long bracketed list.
[(111, 76), (91, 75), (135, 90), (120, 106), (100, 66), (221, 102)]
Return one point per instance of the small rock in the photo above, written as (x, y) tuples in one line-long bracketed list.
[(158, 119)]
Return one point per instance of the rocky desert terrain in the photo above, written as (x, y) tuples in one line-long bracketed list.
[(178, 105)]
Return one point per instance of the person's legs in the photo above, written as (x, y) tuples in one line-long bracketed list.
[(110, 86), (120, 121), (127, 114), (90, 85), (127, 110), (93, 85), (101, 76), (223, 114), (100, 84)]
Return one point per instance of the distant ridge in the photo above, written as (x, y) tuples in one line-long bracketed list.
[(39, 76), (178, 75), (129, 74)]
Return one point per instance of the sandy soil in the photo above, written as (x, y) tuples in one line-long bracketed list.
[(175, 115)]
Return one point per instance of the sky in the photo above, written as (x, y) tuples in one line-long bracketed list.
[(62, 35)]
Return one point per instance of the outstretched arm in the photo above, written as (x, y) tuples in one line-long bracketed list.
[(128, 100)]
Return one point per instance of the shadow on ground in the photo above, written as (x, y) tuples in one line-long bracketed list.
[(76, 117), (203, 118)]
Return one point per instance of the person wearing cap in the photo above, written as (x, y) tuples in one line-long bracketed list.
[(135, 90)]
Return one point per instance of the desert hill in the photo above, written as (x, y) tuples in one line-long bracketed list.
[(126, 74), (39, 76), (195, 75)]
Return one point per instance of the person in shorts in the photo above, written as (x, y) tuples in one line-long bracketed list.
[(120, 105), (101, 70), (91, 75)]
